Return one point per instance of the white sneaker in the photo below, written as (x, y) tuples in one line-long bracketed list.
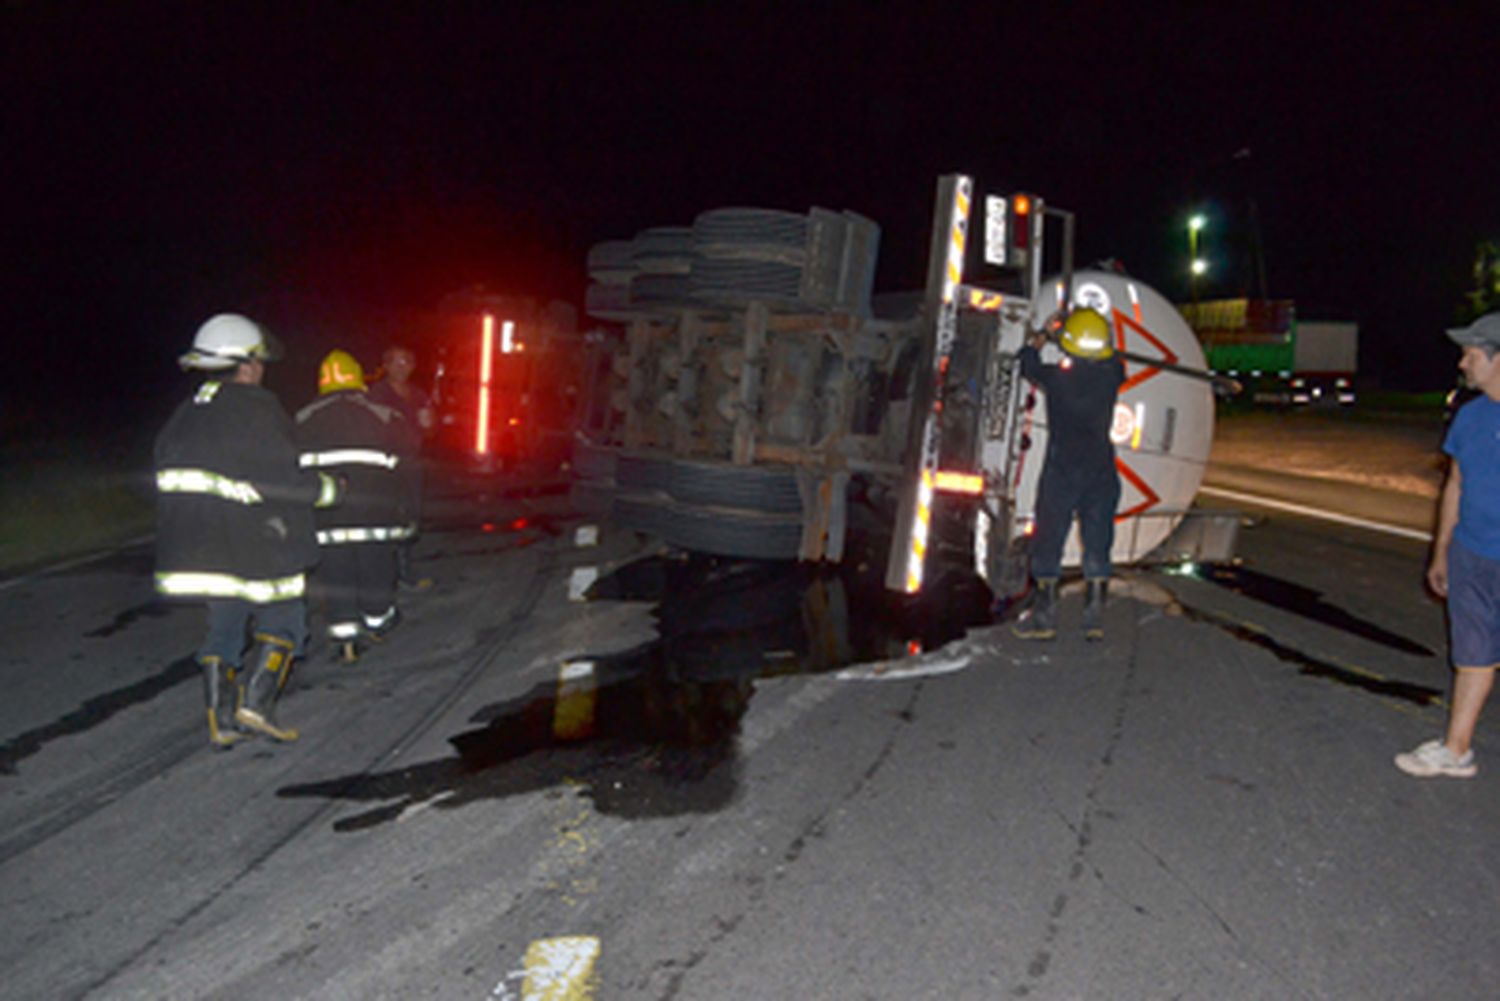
[(1434, 758)]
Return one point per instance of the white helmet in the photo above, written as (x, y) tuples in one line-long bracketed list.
[(225, 341)]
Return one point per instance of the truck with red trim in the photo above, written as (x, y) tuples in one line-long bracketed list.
[(505, 374), (758, 401)]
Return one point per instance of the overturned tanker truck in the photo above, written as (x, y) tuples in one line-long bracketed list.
[(754, 400)]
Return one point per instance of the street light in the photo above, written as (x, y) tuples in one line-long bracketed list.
[(1197, 265)]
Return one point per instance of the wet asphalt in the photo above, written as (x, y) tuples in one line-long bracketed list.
[(744, 780)]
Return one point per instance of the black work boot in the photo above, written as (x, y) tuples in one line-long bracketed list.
[(1094, 593), (269, 662), (1039, 621), (221, 696)]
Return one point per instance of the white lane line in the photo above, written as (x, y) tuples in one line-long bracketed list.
[(1314, 512)]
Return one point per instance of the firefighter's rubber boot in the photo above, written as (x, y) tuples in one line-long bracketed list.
[(1039, 621), (1093, 608), (378, 627), (270, 659), (222, 698)]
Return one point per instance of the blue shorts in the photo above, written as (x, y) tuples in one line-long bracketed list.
[(1473, 608)]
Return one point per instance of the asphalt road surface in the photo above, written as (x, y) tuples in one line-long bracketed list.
[(732, 781)]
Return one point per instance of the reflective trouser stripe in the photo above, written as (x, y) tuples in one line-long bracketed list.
[(339, 536), (184, 584), (202, 481), (382, 620), (343, 630), (349, 457)]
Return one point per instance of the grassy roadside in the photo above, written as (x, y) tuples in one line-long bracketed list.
[(69, 496)]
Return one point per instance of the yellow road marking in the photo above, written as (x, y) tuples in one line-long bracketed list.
[(560, 969)]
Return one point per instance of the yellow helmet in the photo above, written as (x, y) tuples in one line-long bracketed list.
[(340, 370), (1085, 334)]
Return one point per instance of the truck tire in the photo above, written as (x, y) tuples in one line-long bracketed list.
[(720, 484), (642, 472), (718, 531), (640, 513), (593, 462), (744, 534)]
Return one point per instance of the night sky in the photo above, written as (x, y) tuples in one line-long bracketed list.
[(315, 165)]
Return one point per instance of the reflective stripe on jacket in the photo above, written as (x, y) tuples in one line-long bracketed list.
[(373, 451), (378, 533), (188, 584), (203, 481), (234, 510), (349, 457)]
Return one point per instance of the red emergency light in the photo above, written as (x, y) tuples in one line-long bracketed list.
[(486, 366), (959, 483), (1020, 207)]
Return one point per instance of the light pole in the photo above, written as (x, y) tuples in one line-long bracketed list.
[(1196, 265)]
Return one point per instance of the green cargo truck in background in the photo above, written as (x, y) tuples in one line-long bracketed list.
[(1279, 359)]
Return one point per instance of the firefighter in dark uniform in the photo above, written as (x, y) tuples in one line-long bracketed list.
[(373, 452), (235, 526), (398, 391), (1078, 474)]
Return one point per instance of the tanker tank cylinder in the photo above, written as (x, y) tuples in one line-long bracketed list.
[(1164, 415)]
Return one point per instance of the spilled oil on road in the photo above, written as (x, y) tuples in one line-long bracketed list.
[(1421, 695), (1262, 586), (652, 731), (1306, 602), (129, 617), (95, 711)]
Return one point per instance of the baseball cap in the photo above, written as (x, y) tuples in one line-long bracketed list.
[(1483, 332)]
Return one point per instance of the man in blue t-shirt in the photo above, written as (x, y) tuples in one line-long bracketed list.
[(1465, 567)]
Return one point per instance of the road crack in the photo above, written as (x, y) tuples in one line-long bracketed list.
[(814, 829)]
